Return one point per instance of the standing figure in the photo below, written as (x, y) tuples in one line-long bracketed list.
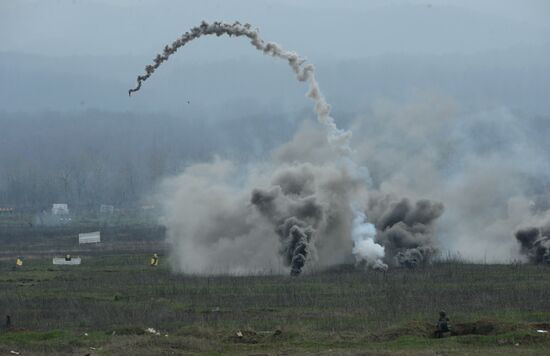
[(154, 260), (18, 264)]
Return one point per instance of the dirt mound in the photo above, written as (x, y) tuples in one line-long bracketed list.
[(427, 330), (541, 326), (254, 337), (410, 328), (13, 329), (131, 330), (482, 327)]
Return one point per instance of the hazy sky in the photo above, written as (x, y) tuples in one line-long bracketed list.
[(487, 52), (335, 29)]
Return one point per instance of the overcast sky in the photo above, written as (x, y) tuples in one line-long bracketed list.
[(327, 28), (484, 53)]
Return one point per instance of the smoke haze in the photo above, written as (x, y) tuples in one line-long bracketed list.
[(453, 181), (448, 108), (219, 221), (408, 150), (292, 206), (486, 168)]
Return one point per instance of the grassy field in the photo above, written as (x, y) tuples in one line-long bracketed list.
[(104, 307)]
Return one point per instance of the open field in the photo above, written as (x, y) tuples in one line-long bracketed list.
[(130, 233), (104, 306)]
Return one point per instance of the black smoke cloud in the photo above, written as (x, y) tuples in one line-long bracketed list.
[(535, 243), (294, 217), (405, 228), (296, 245)]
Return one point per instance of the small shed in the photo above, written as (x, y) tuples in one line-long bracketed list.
[(60, 209)]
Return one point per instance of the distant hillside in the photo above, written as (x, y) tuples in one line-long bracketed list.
[(517, 78)]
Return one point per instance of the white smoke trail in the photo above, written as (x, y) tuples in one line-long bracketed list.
[(365, 247), (305, 72)]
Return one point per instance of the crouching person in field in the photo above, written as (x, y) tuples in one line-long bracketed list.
[(443, 326)]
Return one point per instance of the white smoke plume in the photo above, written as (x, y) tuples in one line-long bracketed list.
[(217, 228), (365, 249)]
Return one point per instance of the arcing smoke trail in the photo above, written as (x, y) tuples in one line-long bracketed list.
[(305, 72), (295, 234)]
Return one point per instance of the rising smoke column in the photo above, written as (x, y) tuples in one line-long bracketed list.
[(295, 243), (295, 218), (296, 235)]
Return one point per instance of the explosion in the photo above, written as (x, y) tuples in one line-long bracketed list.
[(312, 205)]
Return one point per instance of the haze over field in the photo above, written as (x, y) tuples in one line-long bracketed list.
[(447, 102)]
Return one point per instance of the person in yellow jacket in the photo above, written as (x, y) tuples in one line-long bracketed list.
[(18, 262), (154, 260)]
